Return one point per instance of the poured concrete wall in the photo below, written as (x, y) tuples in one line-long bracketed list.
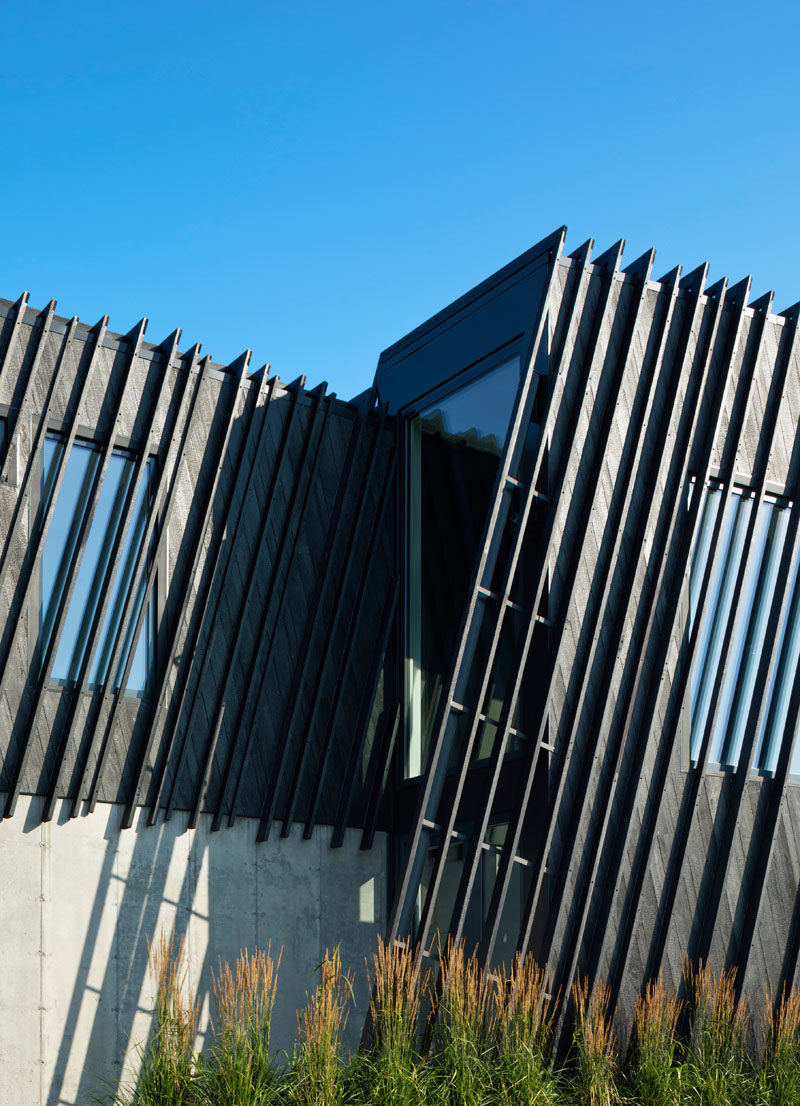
[(80, 897)]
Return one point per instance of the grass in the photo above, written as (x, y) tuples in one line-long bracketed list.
[(463, 1038), (240, 1070), (464, 1012), (523, 1035), (166, 1074), (390, 1065), (595, 1075), (779, 1075), (718, 1070), (655, 1067), (317, 1077)]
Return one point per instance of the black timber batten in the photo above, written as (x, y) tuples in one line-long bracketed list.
[(275, 555), (640, 854), (255, 487)]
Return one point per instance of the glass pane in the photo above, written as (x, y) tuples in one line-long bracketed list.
[(749, 629), (454, 451), (718, 603), (748, 639), (60, 546), (137, 678), (776, 707), (442, 911), (60, 551)]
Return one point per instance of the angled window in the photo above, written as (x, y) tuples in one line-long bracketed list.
[(454, 449), (738, 671), (59, 559)]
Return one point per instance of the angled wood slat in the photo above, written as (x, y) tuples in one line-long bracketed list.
[(677, 526), (135, 340), (563, 710), (17, 318), (719, 857), (170, 348), (337, 615), (437, 764), (134, 795), (291, 727), (737, 297), (311, 445), (207, 601), (163, 500), (603, 569), (609, 265), (623, 493), (23, 410), (302, 483), (353, 617)]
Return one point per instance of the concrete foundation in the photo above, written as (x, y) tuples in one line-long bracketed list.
[(80, 897)]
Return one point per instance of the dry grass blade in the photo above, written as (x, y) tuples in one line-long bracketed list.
[(241, 1071), (317, 1071), (780, 1062), (167, 1073), (595, 1046), (718, 1067), (464, 1034), (655, 1069)]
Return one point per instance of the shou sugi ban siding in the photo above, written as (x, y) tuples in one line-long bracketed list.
[(650, 810), (194, 568)]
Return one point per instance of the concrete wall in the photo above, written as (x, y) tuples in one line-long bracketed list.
[(80, 897)]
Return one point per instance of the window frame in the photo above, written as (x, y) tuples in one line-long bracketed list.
[(776, 494), (410, 413), (86, 436)]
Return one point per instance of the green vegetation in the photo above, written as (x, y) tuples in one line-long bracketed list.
[(454, 1036)]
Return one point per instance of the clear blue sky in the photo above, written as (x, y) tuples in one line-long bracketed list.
[(312, 180)]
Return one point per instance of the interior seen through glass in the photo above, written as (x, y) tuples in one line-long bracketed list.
[(510, 922)]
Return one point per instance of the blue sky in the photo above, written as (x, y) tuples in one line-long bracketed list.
[(313, 180)]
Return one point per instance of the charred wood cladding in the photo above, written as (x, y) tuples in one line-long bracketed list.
[(529, 606)]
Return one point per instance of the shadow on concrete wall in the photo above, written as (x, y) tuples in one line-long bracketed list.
[(105, 891)]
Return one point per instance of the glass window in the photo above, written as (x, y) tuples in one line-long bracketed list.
[(59, 554), (510, 924), (454, 451), (748, 639)]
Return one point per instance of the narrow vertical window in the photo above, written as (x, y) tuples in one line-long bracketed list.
[(61, 552), (748, 638), (453, 454)]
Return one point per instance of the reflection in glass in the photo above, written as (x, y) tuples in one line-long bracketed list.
[(454, 451), (748, 640), (60, 550), (510, 923)]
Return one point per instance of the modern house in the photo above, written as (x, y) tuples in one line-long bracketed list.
[(505, 648)]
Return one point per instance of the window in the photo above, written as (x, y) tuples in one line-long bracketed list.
[(59, 555), (748, 639), (454, 450), (510, 923)]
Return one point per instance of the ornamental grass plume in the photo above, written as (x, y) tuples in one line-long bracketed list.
[(595, 1072), (240, 1070), (780, 1060), (388, 1072), (655, 1067), (317, 1073), (461, 1069), (523, 1034), (167, 1072), (718, 1071)]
